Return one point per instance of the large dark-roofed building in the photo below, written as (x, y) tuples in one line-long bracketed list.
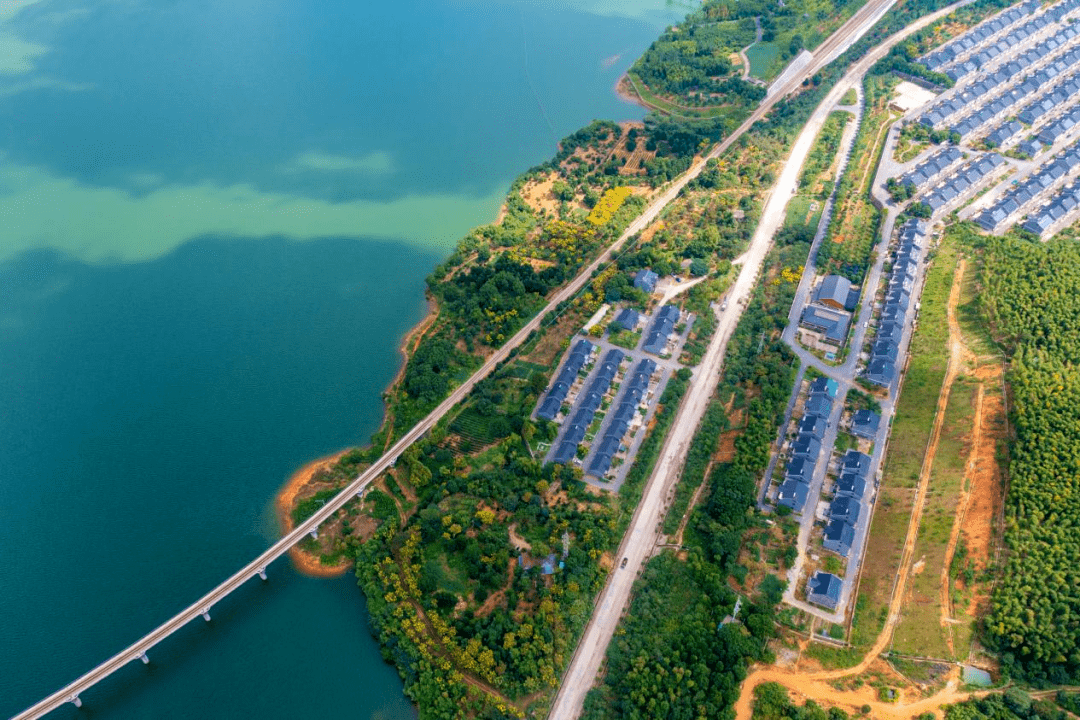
[(656, 340), (835, 292), (622, 413), (800, 469), (824, 590), (565, 453), (824, 385), (885, 350), (865, 424), (549, 406), (845, 508), (806, 446), (856, 462), (890, 331), (587, 405), (832, 325), (850, 483), (793, 494), (881, 372), (628, 318), (812, 425), (838, 537), (818, 404)]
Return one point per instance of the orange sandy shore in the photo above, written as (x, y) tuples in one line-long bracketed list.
[(304, 562), (625, 91)]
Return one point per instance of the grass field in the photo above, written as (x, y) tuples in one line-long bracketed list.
[(907, 446), (920, 631), (764, 58), (803, 210)]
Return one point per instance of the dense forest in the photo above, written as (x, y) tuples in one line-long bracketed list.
[(1030, 302)]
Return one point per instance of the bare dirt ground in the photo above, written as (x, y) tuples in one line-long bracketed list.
[(981, 493), (517, 541), (498, 597), (982, 496), (960, 353), (981, 530), (538, 195)]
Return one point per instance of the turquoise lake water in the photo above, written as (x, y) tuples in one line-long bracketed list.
[(215, 223)]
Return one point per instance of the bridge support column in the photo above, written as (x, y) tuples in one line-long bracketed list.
[(145, 659), (206, 614), (262, 573), (314, 534), (74, 700)]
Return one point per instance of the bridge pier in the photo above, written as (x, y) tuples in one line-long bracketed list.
[(206, 614), (314, 534), (145, 659), (262, 573), (74, 700)]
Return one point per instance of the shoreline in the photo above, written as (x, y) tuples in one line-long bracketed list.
[(415, 333), (284, 500), (624, 90), (305, 563)]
